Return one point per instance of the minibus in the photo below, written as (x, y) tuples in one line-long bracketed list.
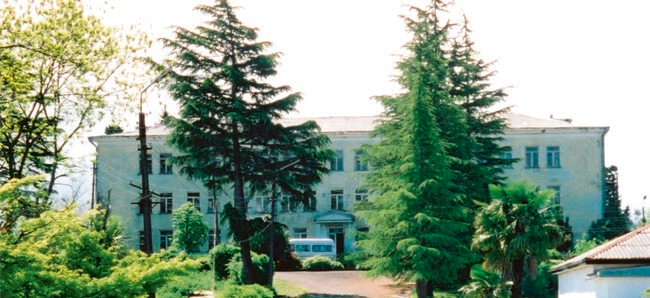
[(308, 247)]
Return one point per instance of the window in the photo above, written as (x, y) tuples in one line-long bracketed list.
[(142, 241), (211, 205), (299, 232), (336, 164), (303, 247), (361, 195), (166, 202), (195, 199), (213, 238), (165, 239), (556, 197), (165, 166), (262, 204), (506, 155), (149, 167), (532, 157), (336, 199), (553, 156), (359, 163), (322, 248)]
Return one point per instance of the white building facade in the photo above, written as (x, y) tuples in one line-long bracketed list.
[(552, 154)]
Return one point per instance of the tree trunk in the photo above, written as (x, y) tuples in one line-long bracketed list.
[(240, 205), (517, 276), (424, 288)]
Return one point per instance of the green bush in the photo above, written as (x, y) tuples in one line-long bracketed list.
[(320, 263), (183, 286), (249, 291), (222, 255), (291, 262), (260, 265)]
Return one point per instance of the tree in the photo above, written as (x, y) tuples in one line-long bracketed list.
[(228, 132), (615, 221), (484, 284), (62, 254), (414, 216), (59, 67), (519, 224), (190, 228), (437, 153)]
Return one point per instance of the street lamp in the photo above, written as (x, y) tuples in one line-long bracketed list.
[(272, 224)]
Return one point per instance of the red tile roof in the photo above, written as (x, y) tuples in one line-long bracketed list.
[(631, 248)]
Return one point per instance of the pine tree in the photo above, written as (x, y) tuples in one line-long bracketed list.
[(414, 216), (615, 221), (228, 132), (438, 152)]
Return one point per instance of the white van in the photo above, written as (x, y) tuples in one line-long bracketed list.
[(308, 247)]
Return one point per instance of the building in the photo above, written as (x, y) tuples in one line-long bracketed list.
[(552, 153), (618, 268)]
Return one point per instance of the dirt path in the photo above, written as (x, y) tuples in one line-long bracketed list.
[(345, 284)]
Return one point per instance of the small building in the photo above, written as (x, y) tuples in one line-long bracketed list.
[(619, 268)]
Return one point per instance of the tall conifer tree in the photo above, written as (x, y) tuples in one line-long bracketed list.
[(228, 133), (437, 153)]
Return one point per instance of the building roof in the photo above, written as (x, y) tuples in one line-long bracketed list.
[(351, 124), (631, 248)]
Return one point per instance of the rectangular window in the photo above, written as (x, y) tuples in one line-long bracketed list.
[(165, 166), (336, 164), (195, 199), (300, 233), (211, 205), (359, 163), (553, 156), (262, 204), (149, 164), (166, 202), (213, 238), (361, 195), (165, 239), (532, 157), (336, 199), (506, 155), (141, 241), (322, 248), (556, 197)]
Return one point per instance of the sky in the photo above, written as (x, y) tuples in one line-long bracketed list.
[(587, 60)]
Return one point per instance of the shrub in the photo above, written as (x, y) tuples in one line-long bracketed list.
[(291, 262), (222, 255), (320, 263), (260, 265), (248, 291), (183, 286)]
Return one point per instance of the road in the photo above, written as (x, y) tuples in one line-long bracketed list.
[(345, 284)]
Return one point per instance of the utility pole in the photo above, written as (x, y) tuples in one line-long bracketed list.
[(145, 197)]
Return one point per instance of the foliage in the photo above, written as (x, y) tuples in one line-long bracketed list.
[(436, 154), (542, 284), (113, 128), (582, 246), (291, 262), (615, 221), (484, 284), (260, 267), (228, 133), (61, 254), (58, 65), (190, 228), (247, 291), (221, 255), (320, 263), (184, 285), (519, 225), (19, 199)]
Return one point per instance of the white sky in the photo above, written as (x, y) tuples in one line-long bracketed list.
[(580, 59)]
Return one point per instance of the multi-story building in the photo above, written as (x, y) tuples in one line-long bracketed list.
[(551, 153)]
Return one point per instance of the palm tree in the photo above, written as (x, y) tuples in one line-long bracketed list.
[(519, 224), (485, 284)]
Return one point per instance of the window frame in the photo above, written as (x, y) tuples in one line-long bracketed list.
[(553, 157), (336, 164), (337, 199), (166, 203), (359, 164), (532, 157), (165, 169), (194, 198)]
